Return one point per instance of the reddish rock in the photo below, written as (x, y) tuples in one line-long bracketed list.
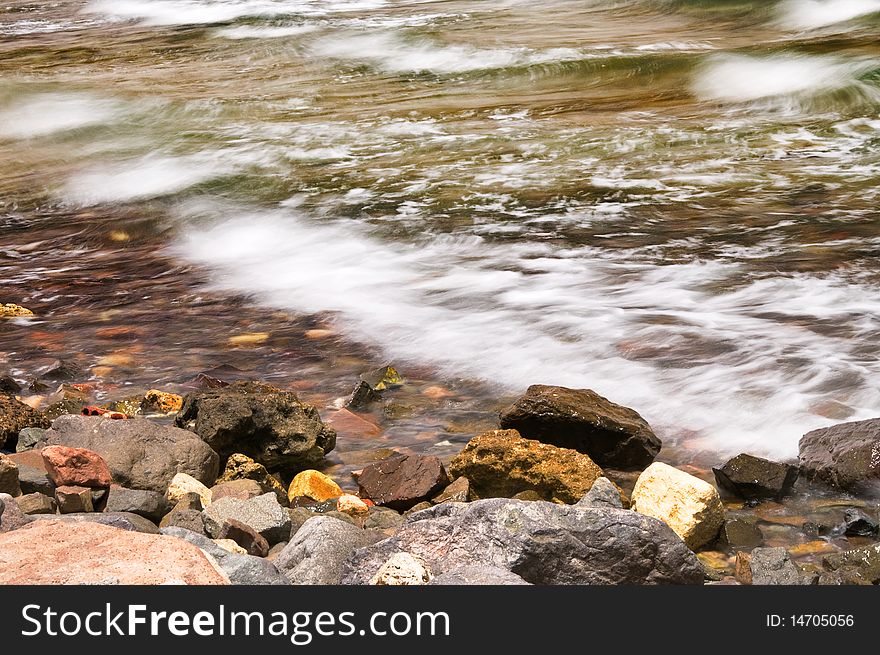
[(72, 499), (348, 424), (403, 481), (75, 466), (245, 536), (91, 553), (241, 489)]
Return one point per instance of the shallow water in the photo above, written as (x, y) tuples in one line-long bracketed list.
[(670, 202)]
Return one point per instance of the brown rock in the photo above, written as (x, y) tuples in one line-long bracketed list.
[(349, 425), (457, 492), (37, 503), (14, 417), (9, 476), (743, 569), (242, 467), (72, 499), (402, 481), (844, 455), (75, 466), (245, 536), (190, 519), (91, 553), (241, 489)]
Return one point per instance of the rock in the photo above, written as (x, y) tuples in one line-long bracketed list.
[(316, 552), (612, 435), (150, 504), (349, 425), (843, 455), (383, 520), (382, 378), (9, 476), (544, 543), (89, 553), (418, 508), (9, 385), (11, 516), (275, 550), (242, 467), (72, 499), (741, 535), (230, 546), (753, 478), (182, 484), (298, 516), (186, 519), (161, 402), (120, 520), (690, 506), (858, 524), (769, 566), (140, 454), (245, 536), (362, 396), (75, 466), (262, 513), (352, 505), (477, 575), (859, 565), (402, 570), (62, 370), (270, 425), (15, 417), (29, 438), (603, 493), (37, 503), (240, 489), (313, 484), (500, 463), (10, 310), (457, 492), (528, 495), (402, 481)]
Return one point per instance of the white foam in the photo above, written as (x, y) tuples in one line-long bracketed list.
[(814, 14), (51, 113), (276, 32)]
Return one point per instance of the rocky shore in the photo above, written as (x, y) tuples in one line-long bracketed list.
[(223, 485)]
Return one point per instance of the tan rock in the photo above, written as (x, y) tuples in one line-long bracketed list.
[(182, 484), (315, 485), (10, 310), (688, 505), (9, 476), (242, 467), (402, 569), (230, 546), (352, 505)]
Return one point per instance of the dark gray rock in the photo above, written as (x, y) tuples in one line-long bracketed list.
[(477, 575), (263, 513), (612, 435), (754, 478), (33, 479), (402, 481), (141, 454), (191, 520), (603, 493), (150, 504), (121, 520), (741, 535), (542, 542), (773, 566), (362, 396), (29, 438), (37, 503), (843, 455), (316, 552), (858, 524)]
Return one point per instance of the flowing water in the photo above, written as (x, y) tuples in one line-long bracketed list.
[(671, 202)]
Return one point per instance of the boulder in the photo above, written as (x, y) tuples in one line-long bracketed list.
[(9, 476), (844, 455), (768, 566), (859, 565), (182, 484), (543, 543), (15, 416), (268, 424), (73, 552), (603, 493), (73, 499), (500, 463), (402, 570), (11, 516), (150, 504), (688, 505), (121, 520), (612, 435), (242, 467), (316, 552), (754, 478), (402, 481), (240, 489), (264, 514), (75, 466), (245, 536), (37, 503), (313, 484), (140, 454), (477, 575)]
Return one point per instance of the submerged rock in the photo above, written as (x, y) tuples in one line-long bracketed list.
[(752, 478), (844, 455), (15, 416), (382, 378), (612, 435), (741, 535), (858, 524), (402, 481)]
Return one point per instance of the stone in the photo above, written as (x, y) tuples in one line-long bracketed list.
[(37, 503), (9, 385), (382, 519), (242, 467), (11, 516), (190, 501), (75, 466), (418, 508), (457, 492), (230, 546), (612, 435), (270, 425), (9, 476), (33, 480), (264, 514), (150, 504), (402, 570), (688, 505), (844, 455), (29, 438), (298, 516), (382, 378), (528, 494), (161, 402), (349, 425), (275, 550), (402, 481), (313, 484), (477, 575), (316, 552), (771, 566), (753, 478), (182, 484), (240, 489), (352, 505), (120, 520), (245, 536), (73, 499), (62, 370), (858, 524), (362, 396), (741, 535), (15, 416), (11, 310), (73, 552), (500, 464), (187, 519), (859, 565), (140, 454), (603, 493), (542, 542)]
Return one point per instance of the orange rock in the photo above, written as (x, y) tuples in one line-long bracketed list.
[(349, 424), (167, 403), (313, 484), (437, 393), (75, 466), (250, 339), (319, 334)]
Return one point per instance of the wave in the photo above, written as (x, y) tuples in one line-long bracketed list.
[(815, 14), (46, 114)]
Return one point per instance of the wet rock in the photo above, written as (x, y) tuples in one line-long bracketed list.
[(349, 425), (15, 416), (183, 484), (9, 385), (402, 481), (9, 476), (603, 493), (37, 504), (316, 552), (150, 504), (384, 520), (858, 524), (500, 463), (242, 467), (688, 505), (119, 520), (544, 543), (66, 406), (362, 396), (11, 516), (768, 566), (741, 535), (72, 499), (61, 370), (89, 553), (240, 489), (859, 565), (457, 492), (753, 478), (29, 438), (186, 519), (264, 514), (245, 536), (270, 425), (140, 454), (402, 570), (843, 455), (161, 402), (477, 575), (382, 378), (75, 466), (352, 505), (313, 484), (11, 310), (612, 435)]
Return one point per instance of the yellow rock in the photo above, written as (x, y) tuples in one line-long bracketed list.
[(13, 311), (401, 570), (230, 545), (315, 485), (182, 484), (688, 505), (167, 403), (352, 505), (119, 235), (102, 371), (116, 359), (319, 334), (250, 339)]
